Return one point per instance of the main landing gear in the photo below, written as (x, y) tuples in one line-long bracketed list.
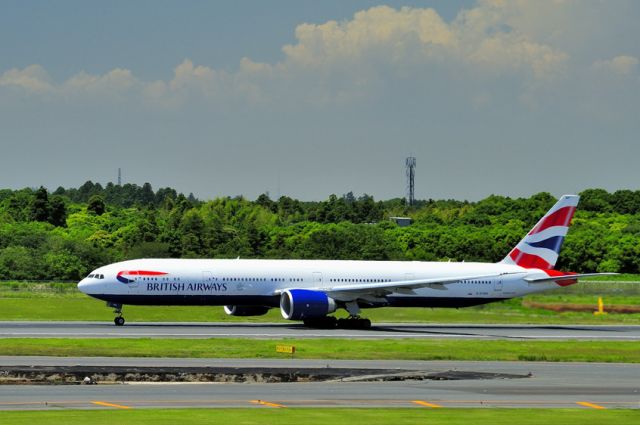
[(326, 322), (354, 322), (117, 309), (330, 322)]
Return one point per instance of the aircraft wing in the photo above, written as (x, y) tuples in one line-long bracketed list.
[(402, 286), (545, 279)]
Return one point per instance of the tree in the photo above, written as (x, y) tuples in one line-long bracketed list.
[(192, 229), (149, 250), (40, 209), (148, 226), (147, 197), (19, 262), (96, 205), (626, 201), (266, 202), (58, 211), (596, 200)]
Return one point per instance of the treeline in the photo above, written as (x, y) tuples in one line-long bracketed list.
[(127, 195), (67, 233)]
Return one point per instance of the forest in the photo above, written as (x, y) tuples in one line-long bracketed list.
[(64, 234)]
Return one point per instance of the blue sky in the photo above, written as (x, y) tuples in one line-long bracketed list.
[(232, 97)]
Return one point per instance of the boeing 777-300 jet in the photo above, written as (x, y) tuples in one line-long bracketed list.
[(310, 290)]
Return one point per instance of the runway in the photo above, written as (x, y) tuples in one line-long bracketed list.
[(578, 385), (279, 330)]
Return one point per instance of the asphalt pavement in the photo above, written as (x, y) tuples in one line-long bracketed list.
[(578, 385), (295, 330)]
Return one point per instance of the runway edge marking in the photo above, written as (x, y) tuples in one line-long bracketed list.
[(104, 403), (591, 405), (426, 404), (267, 403)]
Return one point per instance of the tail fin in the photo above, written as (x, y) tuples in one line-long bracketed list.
[(540, 248)]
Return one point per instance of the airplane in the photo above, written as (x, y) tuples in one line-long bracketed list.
[(311, 290)]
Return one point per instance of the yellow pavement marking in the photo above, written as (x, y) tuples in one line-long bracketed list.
[(424, 403), (104, 403), (592, 405), (266, 403)]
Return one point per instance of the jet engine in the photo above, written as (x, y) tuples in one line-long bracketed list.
[(245, 310), (302, 304)]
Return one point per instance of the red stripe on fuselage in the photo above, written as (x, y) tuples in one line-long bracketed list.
[(529, 261), (561, 217), (141, 273)]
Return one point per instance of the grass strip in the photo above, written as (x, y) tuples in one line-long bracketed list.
[(386, 349), (72, 307), (323, 416)]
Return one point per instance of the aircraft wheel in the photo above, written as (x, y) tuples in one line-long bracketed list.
[(119, 321), (343, 324), (330, 322), (354, 323)]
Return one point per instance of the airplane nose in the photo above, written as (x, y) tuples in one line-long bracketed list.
[(87, 286), (82, 285)]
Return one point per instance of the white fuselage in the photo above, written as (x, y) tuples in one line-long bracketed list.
[(259, 282)]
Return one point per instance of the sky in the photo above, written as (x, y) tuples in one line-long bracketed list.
[(307, 98)]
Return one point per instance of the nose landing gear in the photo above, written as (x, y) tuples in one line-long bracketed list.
[(117, 309)]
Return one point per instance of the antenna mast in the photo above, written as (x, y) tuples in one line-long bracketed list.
[(410, 164)]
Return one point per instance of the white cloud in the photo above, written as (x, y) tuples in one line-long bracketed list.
[(620, 65), (187, 76), (32, 79), (116, 81), (380, 32), (357, 58), (408, 36)]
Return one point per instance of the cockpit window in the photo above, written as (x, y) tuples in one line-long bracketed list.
[(101, 276), (90, 276)]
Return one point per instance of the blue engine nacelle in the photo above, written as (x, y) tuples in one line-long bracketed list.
[(301, 304)]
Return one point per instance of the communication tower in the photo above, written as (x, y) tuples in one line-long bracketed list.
[(119, 177), (410, 164)]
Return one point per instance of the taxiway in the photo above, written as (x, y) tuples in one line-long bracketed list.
[(582, 385)]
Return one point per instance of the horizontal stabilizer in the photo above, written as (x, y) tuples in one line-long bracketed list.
[(544, 279)]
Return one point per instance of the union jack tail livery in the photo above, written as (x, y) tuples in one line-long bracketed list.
[(540, 248)]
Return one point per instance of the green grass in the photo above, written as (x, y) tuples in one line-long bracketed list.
[(623, 277), (330, 348), (512, 311), (324, 416), (56, 301)]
